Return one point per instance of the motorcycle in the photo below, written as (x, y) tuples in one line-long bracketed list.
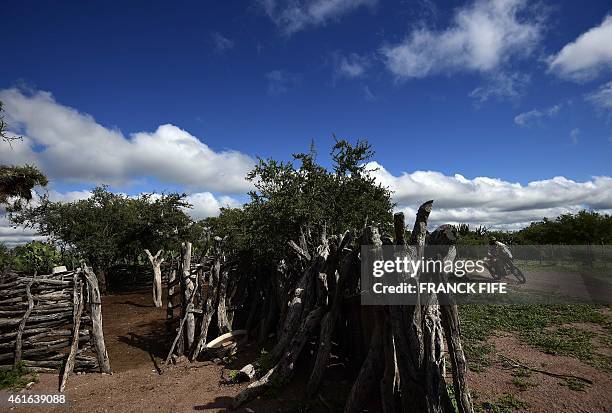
[(499, 269)]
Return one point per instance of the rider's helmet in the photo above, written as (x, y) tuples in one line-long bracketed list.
[(492, 240)]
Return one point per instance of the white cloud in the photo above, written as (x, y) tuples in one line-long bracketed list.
[(535, 115), (292, 16), (502, 86), (221, 43), (352, 66), (11, 235), (587, 56), (72, 146), (492, 201), (280, 81), (207, 205), (482, 36), (494, 219), (602, 98)]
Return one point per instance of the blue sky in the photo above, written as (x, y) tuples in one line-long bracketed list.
[(511, 90)]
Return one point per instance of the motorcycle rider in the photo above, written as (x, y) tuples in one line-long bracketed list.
[(499, 256)]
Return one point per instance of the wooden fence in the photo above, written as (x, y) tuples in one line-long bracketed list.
[(52, 323)]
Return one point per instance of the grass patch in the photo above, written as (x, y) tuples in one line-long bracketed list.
[(522, 372), (17, 378), (565, 341), (522, 383), (540, 326), (478, 355), (505, 404), (574, 384), (263, 363), (233, 375)]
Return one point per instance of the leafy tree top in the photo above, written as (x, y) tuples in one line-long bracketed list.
[(299, 198), (108, 227)]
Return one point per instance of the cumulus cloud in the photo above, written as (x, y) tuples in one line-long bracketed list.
[(280, 81), (587, 56), (533, 116), (11, 234), (481, 37), (492, 201), (602, 97), (292, 16), (221, 43), (70, 145), (205, 204)]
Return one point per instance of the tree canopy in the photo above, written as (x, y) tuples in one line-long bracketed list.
[(582, 228), (17, 181), (108, 228), (302, 197)]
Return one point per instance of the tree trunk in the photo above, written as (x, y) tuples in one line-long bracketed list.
[(156, 262), (209, 310), (188, 288), (102, 282), (328, 324), (96, 318), (371, 372), (70, 361), (222, 318)]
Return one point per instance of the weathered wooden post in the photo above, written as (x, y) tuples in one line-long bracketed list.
[(96, 318), (156, 262), (171, 302), (74, 346), (188, 289)]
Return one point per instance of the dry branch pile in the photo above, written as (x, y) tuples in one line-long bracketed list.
[(312, 296), (203, 293), (52, 323)]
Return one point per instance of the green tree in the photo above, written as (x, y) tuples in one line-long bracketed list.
[(584, 227), (36, 256), (109, 228), (291, 201), (17, 181)]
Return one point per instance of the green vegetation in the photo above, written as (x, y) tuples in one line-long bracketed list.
[(17, 378), (508, 403), (543, 327), (233, 375), (17, 181), (109, 228), (582, 228), (293, 201), (478, 355), (574, 384), (35, 256), (264, 362), (523, 384)]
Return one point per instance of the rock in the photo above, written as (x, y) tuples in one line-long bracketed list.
[(245, 374)]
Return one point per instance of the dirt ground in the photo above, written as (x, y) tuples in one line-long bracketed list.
[(134, 332), (546, 393)]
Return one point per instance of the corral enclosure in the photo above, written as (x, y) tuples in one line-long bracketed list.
[(52, 323)]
